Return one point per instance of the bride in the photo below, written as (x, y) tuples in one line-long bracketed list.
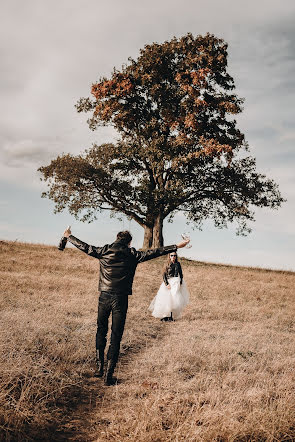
[(173, 294)]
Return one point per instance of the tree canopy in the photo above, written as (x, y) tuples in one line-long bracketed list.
[(178, 147)]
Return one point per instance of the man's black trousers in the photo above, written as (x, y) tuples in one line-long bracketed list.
[(117, 305)]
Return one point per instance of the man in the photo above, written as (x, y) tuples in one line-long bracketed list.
[(118, 262)]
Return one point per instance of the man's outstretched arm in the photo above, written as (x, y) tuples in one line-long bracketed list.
[(93, 251), (154, 253)]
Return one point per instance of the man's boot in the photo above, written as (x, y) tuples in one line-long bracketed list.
[(109, 378), (99, 363)]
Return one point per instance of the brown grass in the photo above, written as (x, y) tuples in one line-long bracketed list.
[(224, 372)]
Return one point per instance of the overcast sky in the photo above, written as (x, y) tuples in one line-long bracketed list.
[(51, 53)]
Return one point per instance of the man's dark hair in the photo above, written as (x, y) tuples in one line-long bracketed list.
[(124, 236)]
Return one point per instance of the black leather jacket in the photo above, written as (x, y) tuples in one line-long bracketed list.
[(173, 270), (118, 263)]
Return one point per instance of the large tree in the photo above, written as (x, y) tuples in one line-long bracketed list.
[(178, 147)]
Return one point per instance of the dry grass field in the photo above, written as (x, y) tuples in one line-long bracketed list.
[(224, 372)]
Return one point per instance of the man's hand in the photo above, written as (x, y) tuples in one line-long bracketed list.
[(67, 232), (182, 243)]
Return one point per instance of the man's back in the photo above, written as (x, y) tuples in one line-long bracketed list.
[(118, 263), (117, 268)]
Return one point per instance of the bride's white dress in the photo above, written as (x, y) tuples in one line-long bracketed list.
[(170, 300)]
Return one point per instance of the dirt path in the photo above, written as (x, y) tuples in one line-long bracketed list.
[(82, 421)]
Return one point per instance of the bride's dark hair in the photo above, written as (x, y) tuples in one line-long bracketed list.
[(168, 262)]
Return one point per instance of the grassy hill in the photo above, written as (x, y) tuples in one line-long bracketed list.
[(224, 372)]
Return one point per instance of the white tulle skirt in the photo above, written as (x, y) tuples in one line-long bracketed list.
[(170, 300)]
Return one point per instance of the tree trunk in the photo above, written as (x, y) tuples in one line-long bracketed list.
[(148, 238), (158, 232)]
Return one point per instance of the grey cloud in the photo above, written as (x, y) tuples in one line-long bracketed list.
[(28, 151), (36, 151)]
